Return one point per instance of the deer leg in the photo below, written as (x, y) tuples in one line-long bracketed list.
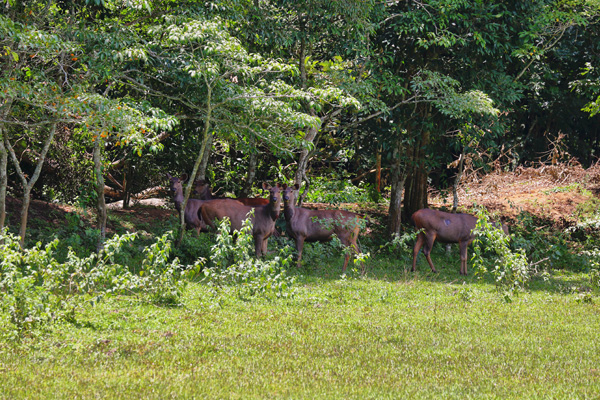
[(463, 257), (264, 245), (258, 245), (351, 249), (299, 246), (430, 239), (418, 244)]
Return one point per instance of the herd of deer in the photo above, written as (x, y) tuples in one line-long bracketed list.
[(306, 225)]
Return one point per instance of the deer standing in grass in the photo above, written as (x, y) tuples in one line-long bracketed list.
[(192, 216), (203, 191), (263, 220), (446, 228), (306, 225)]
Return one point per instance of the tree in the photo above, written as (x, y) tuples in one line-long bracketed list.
[(320, 36), (425, 53), (50, 85), (196, 67)]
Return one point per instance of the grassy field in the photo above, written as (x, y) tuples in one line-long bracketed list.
[(389, 334)]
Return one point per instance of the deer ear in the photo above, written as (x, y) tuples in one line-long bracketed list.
[(284, 186), (184, 177), (265, 186), (296, 187), (169, 176)]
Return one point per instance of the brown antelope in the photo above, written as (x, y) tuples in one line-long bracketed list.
[(192, 216), (203, 191), (446, 228), (306, 225), (263, 221)]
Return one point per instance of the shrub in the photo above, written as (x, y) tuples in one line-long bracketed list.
[(233, 267), (36, 289), (510, 269), (335, 191), (544, 245)]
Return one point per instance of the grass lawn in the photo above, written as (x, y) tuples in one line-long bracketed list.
[(387, 335)]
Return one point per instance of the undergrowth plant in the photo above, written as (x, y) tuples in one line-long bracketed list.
[(36, 289), (335, 191), (544, 245), (234, 268), (510, 269)]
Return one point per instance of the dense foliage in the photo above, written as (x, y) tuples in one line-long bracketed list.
[(244, 91)]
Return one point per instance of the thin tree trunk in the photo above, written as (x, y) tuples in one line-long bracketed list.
[(3, 167), (100, 203), (461, 166), (251, 175), (126, 186), (311, 134), (3, 180), (205, 157), (206, 137), (461, 163), (378, 171), (398, 177), (27, 186)]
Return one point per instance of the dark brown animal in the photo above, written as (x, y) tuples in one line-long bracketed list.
[(306, 225), (263, 221), (192, 215), (203, 191), (446, 228)]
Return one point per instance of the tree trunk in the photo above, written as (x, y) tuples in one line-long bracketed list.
[(126, 186), (3, 180), (206, 138), (378, 172), (3, 166), (398, 177), (461, 166), (415, 195), (311, 134), (303, 159), (251, 175), (27, 186), (100, 203), (205, 157)]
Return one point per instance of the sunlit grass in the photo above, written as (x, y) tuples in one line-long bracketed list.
[(391, 334)]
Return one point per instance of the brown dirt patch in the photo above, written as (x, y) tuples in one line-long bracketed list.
[(549, 192)]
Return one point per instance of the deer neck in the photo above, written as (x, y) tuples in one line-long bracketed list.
[(178, 199), (288, 211), (273, 211)]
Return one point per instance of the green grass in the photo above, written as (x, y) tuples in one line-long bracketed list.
[(390, 334)]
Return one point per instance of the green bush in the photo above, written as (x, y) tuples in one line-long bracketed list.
[(35, 288), (510, 269), (234, 268), (335, 191), (544, 245)]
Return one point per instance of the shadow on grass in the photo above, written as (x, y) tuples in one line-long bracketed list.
[(320, 263)]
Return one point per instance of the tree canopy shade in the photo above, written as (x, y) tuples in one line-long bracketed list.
[(409, 86)]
